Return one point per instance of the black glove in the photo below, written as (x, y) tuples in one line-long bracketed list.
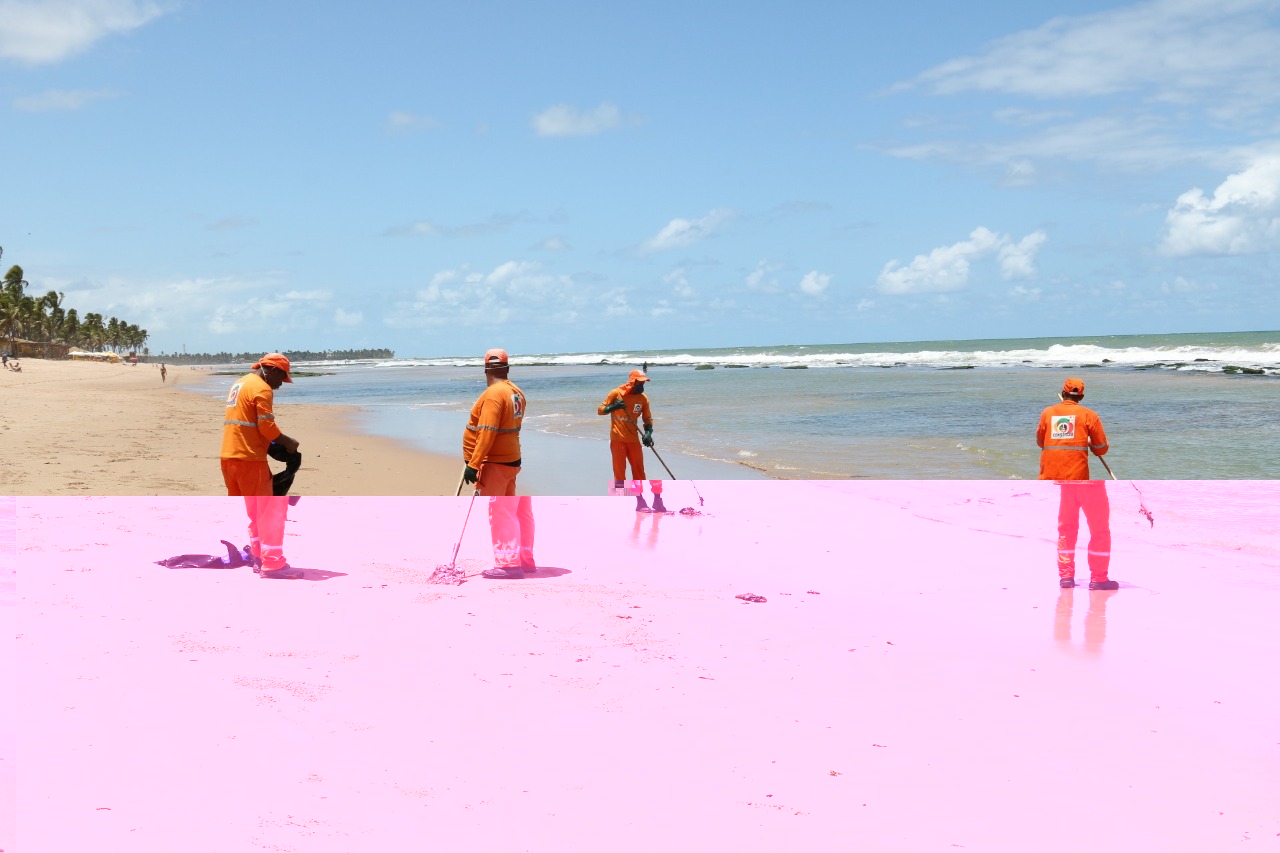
[(470, 475), (647, 440), (613, 407)]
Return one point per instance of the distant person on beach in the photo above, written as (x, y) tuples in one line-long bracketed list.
[(15, 366), (5, 358), (248, 430), (1067, 433), (629, 406), (163, 372), (491, 451)]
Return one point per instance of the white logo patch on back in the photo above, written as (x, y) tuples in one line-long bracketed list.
[(1063, 426)]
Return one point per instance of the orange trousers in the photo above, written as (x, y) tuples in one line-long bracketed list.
[(510, 517), (633, 452), (267, 513), (1091, 497)]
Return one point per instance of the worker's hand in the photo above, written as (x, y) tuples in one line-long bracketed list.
[(289, 444), (614, 406), (470, 475), (647, 439)]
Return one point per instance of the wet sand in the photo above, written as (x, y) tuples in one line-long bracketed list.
[(914, 681)]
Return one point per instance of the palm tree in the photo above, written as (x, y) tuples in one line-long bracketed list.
[(11, 317), (71, 327)]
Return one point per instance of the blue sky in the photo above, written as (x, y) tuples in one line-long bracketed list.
[(575, 176)]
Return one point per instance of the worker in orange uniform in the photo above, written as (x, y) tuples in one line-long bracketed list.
[(247, 431), (491, 450), (629, 407), (1067, 433)]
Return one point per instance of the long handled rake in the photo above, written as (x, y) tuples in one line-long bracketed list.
[(1142, 506), (450, 573)]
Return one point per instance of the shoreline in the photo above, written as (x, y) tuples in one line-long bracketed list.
[(104, 429)]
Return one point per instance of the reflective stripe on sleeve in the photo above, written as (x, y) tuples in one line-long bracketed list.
[(491, 429), (238, 423), (1082, 449)]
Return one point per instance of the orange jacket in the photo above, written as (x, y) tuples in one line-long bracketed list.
[(635, 407), (249, 426), (1067, 432), (493, 433)]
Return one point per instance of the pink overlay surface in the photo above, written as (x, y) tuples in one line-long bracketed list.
[(915, 678)]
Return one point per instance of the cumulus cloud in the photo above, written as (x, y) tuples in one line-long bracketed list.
[(679, 233), (1018, 260), (680, 285), (1241, 217), (814, 283), (555, 244), (60, 100), (348, 318), (513, 288), (947, 268), (36, 32), (567, 120), (402, 122), (762, 278)]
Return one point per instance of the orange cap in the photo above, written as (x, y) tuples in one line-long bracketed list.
[(274, 359), (637, 376), (1073, 386), (495, 358)]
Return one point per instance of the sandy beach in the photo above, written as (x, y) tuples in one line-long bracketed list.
[(101, 429), (915, 679)]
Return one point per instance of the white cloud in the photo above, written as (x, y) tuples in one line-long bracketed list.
[(555, 244), (1174, 50), (45, 31), (617, 306), (1133, 142), (61, 100), (1030, 294), (509, 270), (685, 232), (866, 304), (567, 120), (513, 288), (1241, 217), (947, 268), (348, 318), (814, 283), (1018, 260), (662, 309), (402, 122), (680, 285), (762, 278)]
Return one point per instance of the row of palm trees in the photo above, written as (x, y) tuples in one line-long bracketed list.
[(43, 319)]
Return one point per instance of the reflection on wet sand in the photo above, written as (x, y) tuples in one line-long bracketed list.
[(1095, 621)]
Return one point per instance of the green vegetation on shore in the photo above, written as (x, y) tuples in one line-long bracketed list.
[(50, 331)]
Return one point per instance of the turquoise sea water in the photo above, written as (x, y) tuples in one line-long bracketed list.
[(1196, 406)]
